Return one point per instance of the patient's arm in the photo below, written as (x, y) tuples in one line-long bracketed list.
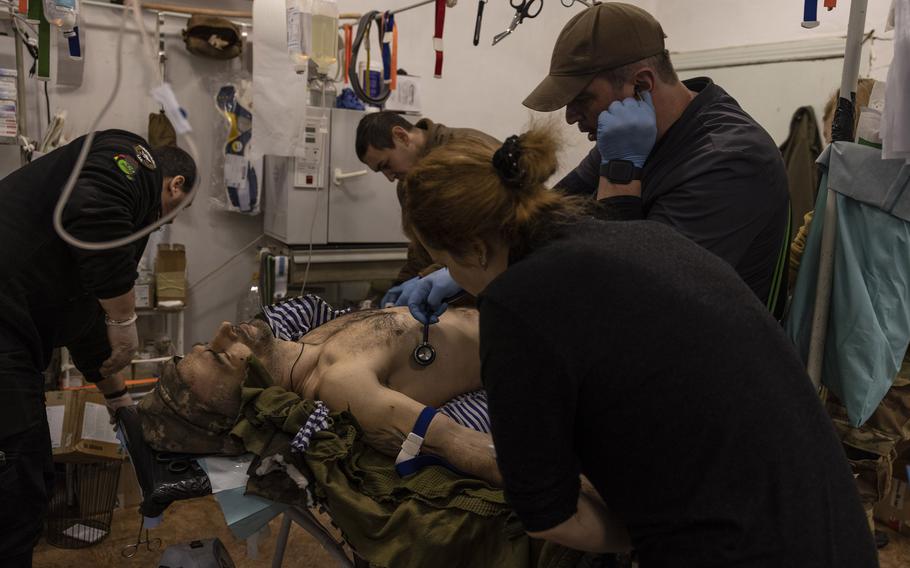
[(593, 527), (387, 417)]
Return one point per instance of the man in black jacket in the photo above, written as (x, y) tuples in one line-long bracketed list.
[(680, 152), (53, 294), (683, 153)]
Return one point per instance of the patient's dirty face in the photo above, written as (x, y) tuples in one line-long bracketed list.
[(215, 376), (254, 334), (214, 372)]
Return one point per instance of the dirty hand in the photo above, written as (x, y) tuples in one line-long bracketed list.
[(124, 341)]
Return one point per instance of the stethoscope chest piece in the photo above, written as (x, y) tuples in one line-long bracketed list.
[(424, 354)]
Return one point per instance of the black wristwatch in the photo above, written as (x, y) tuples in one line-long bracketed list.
[(620, 172)]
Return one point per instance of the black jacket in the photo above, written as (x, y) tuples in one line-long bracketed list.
[(716, 177), (48, 289), (664, 381)]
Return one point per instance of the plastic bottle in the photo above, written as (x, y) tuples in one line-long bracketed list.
[(65, 14), (299, 22), (250, 304), (144, 288)]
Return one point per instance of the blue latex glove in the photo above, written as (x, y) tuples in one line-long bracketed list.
[(428, 299), (399, 295), (627, 130)]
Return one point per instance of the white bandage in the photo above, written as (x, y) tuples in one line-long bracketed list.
[(410, 448)]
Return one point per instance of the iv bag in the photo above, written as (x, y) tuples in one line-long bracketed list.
[(312, 30)]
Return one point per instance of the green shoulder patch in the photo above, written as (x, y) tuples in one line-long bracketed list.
[(127, 164)]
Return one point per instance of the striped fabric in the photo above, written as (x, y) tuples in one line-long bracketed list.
[(469, 410), (293, 318), (317, 422)]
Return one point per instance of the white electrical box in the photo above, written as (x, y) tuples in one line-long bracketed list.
[(327, 196), (309, 171)]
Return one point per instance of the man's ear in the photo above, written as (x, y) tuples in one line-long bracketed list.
[(401, 135), (176, 186), (644, 79)]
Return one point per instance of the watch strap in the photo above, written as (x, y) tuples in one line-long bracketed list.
[(606, 171)]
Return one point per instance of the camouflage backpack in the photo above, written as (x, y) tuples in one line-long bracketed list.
[(211, 36)]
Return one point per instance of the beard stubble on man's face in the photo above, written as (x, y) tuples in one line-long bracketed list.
[(257, 335)]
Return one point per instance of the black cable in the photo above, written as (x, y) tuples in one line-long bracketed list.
[(362, 27), (47, 102), (32, 49)]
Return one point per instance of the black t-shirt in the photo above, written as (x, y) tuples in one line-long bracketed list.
[(623, 351), (715, 176), (45, 281)]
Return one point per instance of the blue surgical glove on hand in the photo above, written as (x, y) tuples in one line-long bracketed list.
[(627, 130), (398, 295), (428, 298)]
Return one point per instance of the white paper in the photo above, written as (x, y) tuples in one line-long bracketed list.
[(227, 472), (234, 170), (55, 423), (96, 424), (85, 533), (406, 98)]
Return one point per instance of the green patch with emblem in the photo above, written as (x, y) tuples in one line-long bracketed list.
[(127, 164)]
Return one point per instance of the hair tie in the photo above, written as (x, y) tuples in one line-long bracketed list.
[(506, 162)]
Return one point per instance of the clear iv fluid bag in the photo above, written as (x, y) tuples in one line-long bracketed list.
[(61, 13), (64, 14), (312, 27), (325, 39)]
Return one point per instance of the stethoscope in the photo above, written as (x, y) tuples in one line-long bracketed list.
[(424, 354)]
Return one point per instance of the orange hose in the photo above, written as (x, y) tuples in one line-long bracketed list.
[(348, 39), (393, 82)]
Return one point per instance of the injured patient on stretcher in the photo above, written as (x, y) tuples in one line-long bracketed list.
[(361, 363)]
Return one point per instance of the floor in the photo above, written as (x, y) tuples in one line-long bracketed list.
[(202, 518), (184, 521)]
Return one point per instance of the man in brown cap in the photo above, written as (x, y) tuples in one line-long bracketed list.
[(679, 152)]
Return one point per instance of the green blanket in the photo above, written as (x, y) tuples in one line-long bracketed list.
[(431, 518)]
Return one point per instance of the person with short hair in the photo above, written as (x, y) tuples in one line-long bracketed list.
[(388, 143), (683, 153), (53, 294), (667, 384), (361, 362)]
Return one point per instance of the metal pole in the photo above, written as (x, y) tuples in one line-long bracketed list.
[(282, 542), (845, 109), (412, 6), (21, 111)]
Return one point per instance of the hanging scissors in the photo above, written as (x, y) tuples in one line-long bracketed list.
[(570, 3), (523, 9), (151, 545)]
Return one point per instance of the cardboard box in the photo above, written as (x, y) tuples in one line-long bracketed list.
[(894, 509), (55, 406), (170, 273), (81, 432)]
